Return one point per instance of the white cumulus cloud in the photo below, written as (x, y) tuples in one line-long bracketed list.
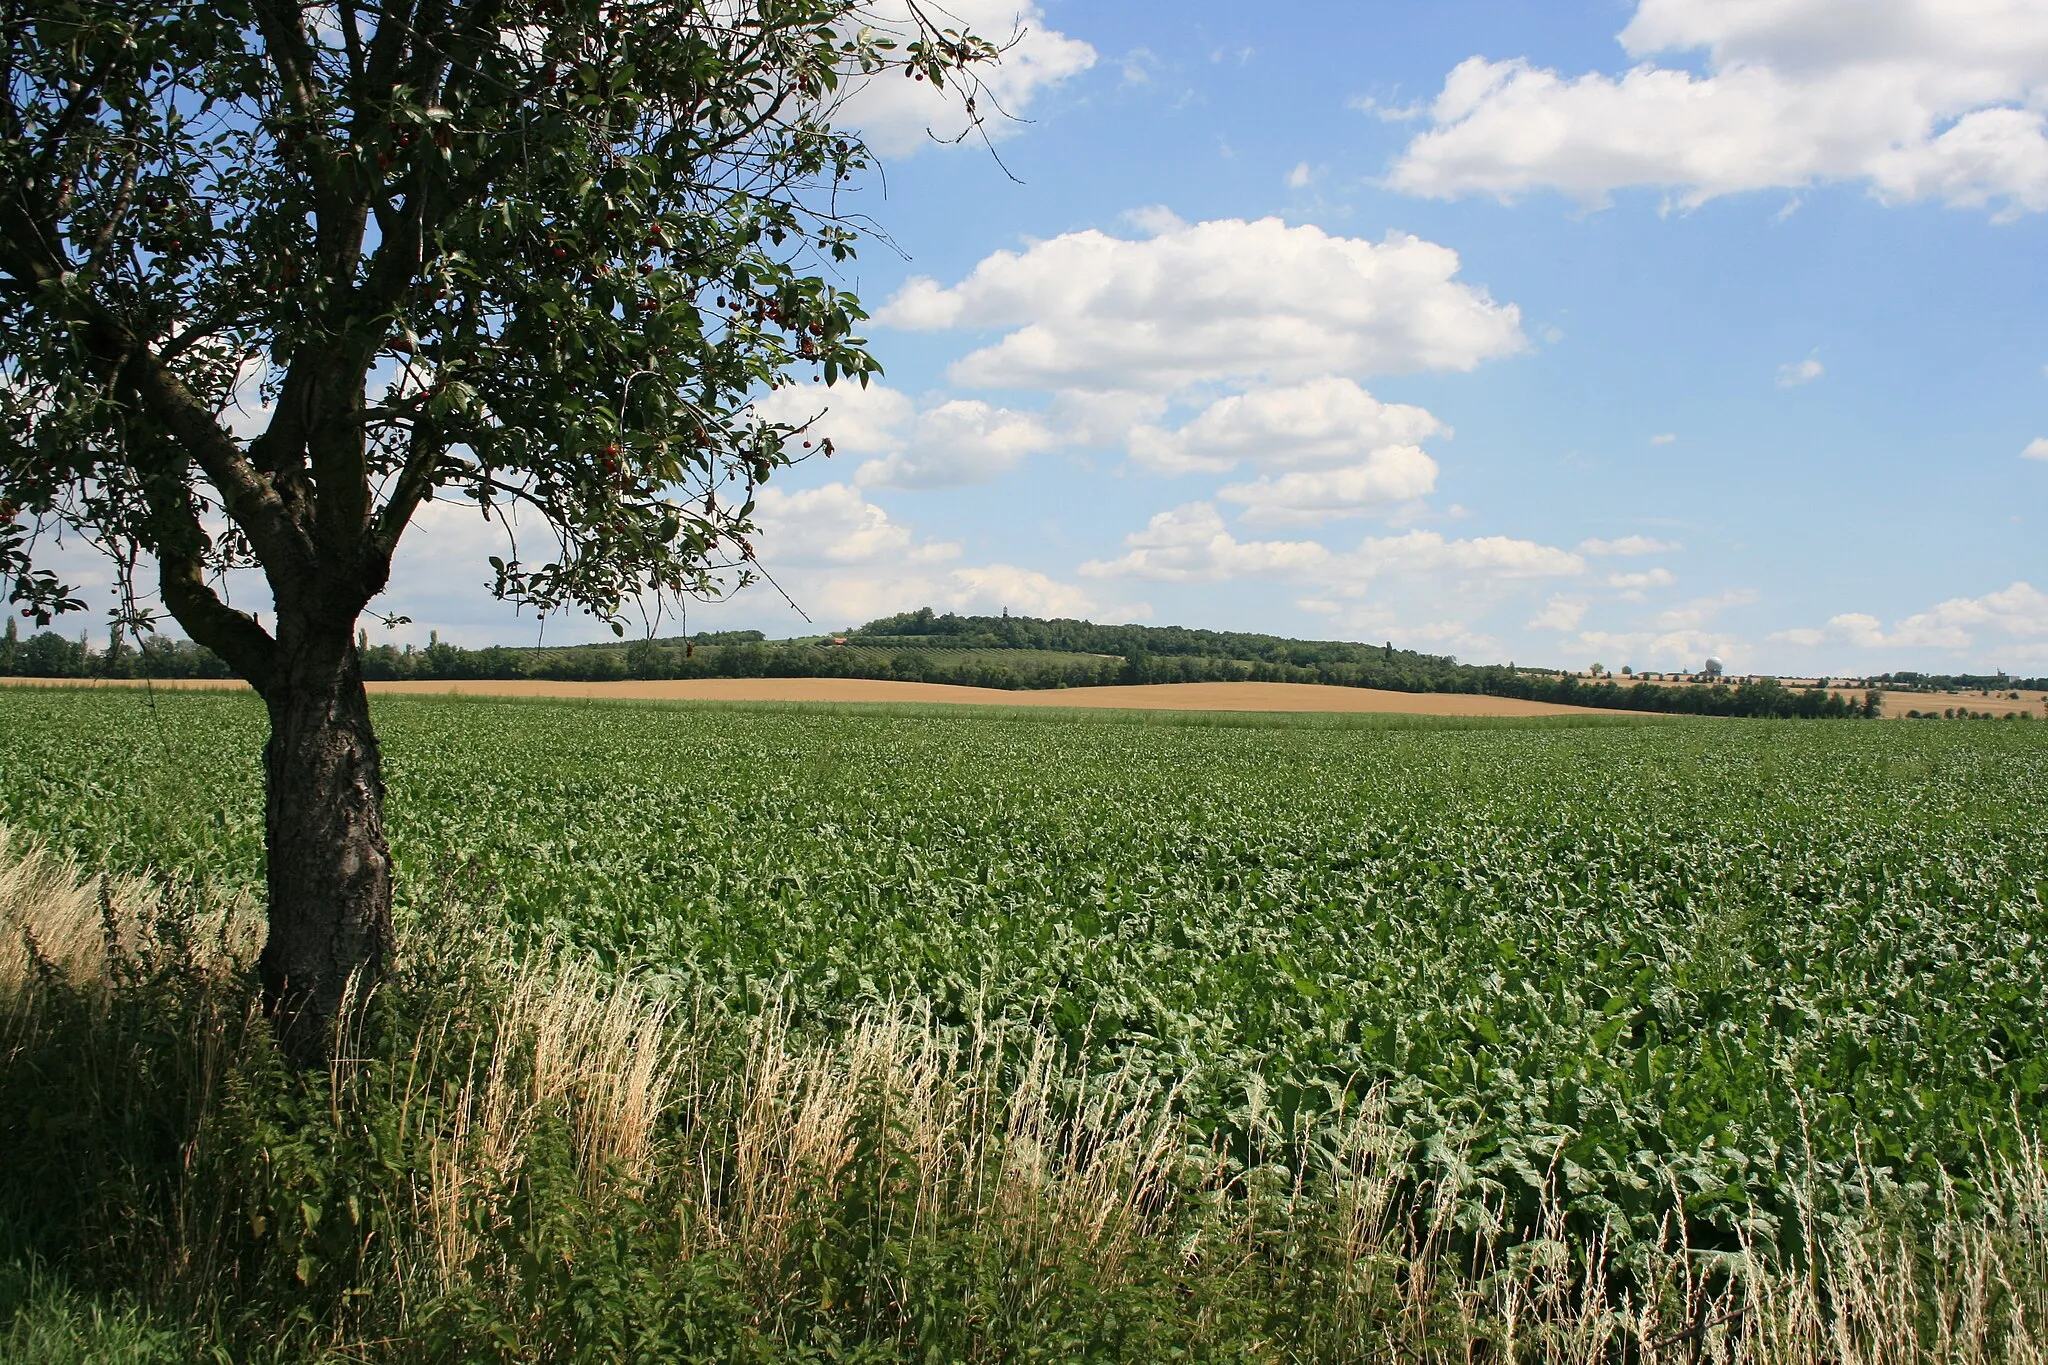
[(1629, 545), (1093, 314), (1917, 99), (1696, 614), (1637, 582), (1324, 422), (2014, 615), (957, 442), (1380, 587), (950, 443), (845, 596), (1559, 613), (1190, 544), (1388, 477), (841, 558), (1794, 373), (834, 525), (1680, 637), (897, 115), (1419, 553), (857, 419), (990, 588), (2037, 449)]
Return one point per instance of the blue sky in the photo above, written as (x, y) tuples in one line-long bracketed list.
[(1555, 333)]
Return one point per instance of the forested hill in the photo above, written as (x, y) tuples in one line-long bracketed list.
[(1009, 652), (927, 630), (1157, 654)]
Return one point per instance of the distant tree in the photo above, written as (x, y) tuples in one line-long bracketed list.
[(524, 253), (46, 654), (646, 659)]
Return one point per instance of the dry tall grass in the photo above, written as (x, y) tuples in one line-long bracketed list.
[(56, 918), (750, 1140)]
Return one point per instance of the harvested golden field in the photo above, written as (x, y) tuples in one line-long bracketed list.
[(1897, 704), (1206, 696)]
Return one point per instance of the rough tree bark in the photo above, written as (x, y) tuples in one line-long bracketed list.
[(329, 863), (329, 866)]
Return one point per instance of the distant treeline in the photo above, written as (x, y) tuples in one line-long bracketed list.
[(1762, 697), (1958, 682), (1168, 653), (1007, 652), (1178, 654), (50, 655)]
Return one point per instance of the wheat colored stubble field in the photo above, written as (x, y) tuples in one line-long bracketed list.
[(1206, 696)]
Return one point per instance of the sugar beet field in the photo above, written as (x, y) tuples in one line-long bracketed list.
[(1733, 964)]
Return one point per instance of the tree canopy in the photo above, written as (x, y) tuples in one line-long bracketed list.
[(277, 274)]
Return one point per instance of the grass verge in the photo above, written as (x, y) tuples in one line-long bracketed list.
[(532, 1159)]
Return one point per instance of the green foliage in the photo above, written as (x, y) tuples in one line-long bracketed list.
[(50, 1323), (1663, 961), (534, 254), (431, 1195)]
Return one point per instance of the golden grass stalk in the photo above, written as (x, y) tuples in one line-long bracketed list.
[(57, 920), (1048, 1167)]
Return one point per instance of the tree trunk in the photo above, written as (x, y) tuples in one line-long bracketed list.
[(330, 867)]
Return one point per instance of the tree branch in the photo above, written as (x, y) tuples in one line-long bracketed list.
[(103, 241), (352, 40), (415, 485), (249, 498), (234, 635)]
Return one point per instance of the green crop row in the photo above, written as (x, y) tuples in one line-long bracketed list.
[(1728, 966)]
